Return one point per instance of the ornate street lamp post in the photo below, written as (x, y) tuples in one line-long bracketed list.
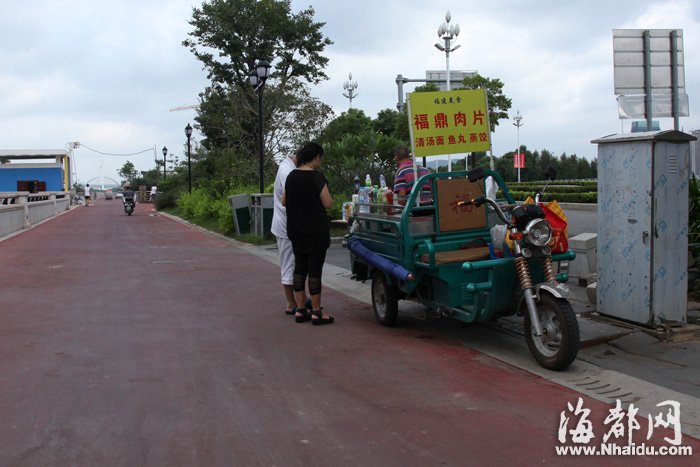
[(448, 33), (188, 133), (350, 86), (257, 78), (165, 153)]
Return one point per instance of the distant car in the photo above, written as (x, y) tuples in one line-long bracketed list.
[(108, 195), (119, 195)]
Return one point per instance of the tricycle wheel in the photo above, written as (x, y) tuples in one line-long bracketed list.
[(385, 300), (558, 346)]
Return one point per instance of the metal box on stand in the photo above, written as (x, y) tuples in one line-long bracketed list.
[(262, 207), (643, 226)]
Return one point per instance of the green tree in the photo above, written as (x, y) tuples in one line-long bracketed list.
[(228, 37), (386, 120), (243, 31), (368, 153), (352, 122), (128, 172), (427, 87), (499, 104)]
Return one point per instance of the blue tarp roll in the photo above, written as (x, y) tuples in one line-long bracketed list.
[(378, 261)]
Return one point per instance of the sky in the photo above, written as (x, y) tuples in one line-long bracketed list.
[(105, 73)]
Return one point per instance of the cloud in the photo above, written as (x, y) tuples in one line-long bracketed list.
[(106, 73)]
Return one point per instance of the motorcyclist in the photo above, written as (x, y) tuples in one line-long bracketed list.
[(128, 195)]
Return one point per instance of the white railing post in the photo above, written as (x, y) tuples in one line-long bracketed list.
[(23, 199)]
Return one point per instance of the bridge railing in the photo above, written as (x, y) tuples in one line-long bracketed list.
[(20, 209)]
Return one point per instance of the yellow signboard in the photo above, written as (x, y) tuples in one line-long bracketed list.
[(449, 122)]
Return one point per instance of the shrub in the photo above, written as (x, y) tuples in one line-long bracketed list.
[(588, 197), (196, 205), (224, 216), (167, 199)]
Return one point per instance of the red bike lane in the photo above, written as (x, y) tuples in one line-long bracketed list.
[(143, 341)]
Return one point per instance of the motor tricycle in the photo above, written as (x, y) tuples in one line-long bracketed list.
[(469, 257)]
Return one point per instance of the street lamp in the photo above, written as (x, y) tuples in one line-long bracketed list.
[(257, 78), (518, 123), (165, 153), (350, 87), (447, 32), (188, 133)]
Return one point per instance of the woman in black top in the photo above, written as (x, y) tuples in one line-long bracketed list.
[(306, 198)]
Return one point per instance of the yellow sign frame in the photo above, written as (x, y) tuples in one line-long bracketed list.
[(449, 122)]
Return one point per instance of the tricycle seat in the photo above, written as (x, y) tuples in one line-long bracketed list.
[(458, 256)]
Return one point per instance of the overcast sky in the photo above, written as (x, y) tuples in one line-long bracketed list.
[(105, 73)]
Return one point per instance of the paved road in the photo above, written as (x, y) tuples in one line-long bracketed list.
[(142, 341)]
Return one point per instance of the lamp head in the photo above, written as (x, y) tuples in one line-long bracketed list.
[(253, 77), (263, 69)]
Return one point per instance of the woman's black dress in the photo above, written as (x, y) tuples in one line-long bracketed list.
[(308, 225)]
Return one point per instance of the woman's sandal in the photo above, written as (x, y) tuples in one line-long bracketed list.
[(294, 310), (318, 318), (301, 315)]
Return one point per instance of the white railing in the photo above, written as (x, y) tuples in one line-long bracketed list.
[(21, 209)]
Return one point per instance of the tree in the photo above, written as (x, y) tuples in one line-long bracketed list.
[(128, 172), (352, 122), (243, 31), (386, 120), (228, 37), (499, 104), (368, 153)]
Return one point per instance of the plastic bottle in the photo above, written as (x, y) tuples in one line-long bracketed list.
[(382, 181), (389, 201), (377, 198), (368, 181), (363, 199)]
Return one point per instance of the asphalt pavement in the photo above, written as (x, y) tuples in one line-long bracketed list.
[(143, 340)]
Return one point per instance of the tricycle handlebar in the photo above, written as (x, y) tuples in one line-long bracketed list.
[(481, 200)]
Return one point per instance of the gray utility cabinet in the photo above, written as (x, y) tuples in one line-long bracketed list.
[(643, 226)]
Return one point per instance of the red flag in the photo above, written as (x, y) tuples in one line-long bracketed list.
[(519, 160)]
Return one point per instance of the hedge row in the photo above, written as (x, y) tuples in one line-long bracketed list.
[(559, 188), (587, 197)]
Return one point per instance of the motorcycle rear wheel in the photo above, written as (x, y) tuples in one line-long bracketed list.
[(558, 346)]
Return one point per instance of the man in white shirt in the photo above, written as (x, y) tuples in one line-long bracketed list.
[(279, 230), (154, 192), (88, 195)]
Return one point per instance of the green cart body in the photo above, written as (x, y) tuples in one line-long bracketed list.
[(471, 290)]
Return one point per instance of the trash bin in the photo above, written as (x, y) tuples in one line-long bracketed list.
[(240, 209), (262, 207)]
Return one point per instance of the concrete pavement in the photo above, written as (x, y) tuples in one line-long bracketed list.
[(144, 341)]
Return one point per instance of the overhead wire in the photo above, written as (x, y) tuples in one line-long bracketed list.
[(113, 154)]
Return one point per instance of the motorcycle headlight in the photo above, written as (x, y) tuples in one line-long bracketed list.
[(538, 232)]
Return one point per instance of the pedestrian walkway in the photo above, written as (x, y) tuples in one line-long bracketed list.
[(144, 341)]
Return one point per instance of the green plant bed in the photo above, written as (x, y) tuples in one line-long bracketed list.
[(588, 197)]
